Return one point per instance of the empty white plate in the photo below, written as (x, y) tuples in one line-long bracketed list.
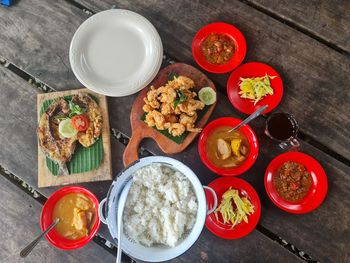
[(116, 52)]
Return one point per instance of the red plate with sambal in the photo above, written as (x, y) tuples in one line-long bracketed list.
[(219, 47), (296, 182)]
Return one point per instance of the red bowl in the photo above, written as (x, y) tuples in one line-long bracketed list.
[(318, 189), (46, 219), (220, 28), (220, 186), (246, 130), (251, 70)]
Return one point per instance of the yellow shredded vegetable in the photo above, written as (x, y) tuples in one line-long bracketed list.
[(236, 211), (255, 88)]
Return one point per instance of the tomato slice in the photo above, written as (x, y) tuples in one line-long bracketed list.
[(80, 122)]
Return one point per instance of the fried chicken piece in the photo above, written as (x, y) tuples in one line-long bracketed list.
[(147, 108), (152, 98), (171, 118), (182, 83), (155, 118), (189, 107), (167, 108), (189, 121), (176, 129), (166, 94), (189, 94)]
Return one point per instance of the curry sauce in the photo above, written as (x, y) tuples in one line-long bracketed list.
[(77, 215), (227, 149)]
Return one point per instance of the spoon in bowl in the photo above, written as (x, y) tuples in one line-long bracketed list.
[(121, 204), (249, 118), (25, 251)]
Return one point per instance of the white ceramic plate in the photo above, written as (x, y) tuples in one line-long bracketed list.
[(116, 52)]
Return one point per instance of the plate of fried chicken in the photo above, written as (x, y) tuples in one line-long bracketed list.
[(169, 110)]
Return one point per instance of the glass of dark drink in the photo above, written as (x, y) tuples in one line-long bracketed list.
[(283, 128)]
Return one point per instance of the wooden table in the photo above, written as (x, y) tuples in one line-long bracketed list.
[(306, 41)]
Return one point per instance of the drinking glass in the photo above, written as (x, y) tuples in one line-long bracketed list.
[(283, 128)]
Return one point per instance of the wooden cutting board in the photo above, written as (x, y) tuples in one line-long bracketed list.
[(141, 130), (103, 172)]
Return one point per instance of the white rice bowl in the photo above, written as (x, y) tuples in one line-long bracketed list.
[(161, 207)]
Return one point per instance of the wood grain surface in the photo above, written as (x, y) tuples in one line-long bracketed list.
[(315, 79), (307, 67), (21, 225), (101, 173), (141, 130), (326, 19)]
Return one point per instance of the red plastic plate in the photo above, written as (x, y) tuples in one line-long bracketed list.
[(318, 189), (219, 28), (46, 219), (251, 70), (220, 186), (246, 130)]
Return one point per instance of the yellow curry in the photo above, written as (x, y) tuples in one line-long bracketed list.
[(227, 149), (77, 215)]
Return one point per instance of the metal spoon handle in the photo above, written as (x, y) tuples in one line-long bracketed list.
[(121, 204), (25, 251), (251, 117)]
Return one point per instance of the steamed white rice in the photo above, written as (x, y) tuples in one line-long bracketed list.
[(161, 206)]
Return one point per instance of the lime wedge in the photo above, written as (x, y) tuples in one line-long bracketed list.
[(66, 129), (207, 95)]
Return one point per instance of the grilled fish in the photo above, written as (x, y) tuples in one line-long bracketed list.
[(55, 146)]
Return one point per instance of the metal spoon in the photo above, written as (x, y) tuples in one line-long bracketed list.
[(121, 204), (25, 251), (250, 117)]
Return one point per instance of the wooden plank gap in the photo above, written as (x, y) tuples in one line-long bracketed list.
[(285, 244), (32, 80), (297, 27)]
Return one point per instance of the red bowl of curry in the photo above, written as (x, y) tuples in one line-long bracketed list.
[(77, 209), (296, 182), (219, 47), (228, 153)]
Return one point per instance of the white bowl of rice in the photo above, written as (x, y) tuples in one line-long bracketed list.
[(165, 209)]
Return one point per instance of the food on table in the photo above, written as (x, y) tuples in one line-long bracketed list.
[(60, 127), (255, 88), (207, 95), (233, 208), (292, 181), (227, 149), (172, 107), (218, 49), (77, 216), (161, 206)]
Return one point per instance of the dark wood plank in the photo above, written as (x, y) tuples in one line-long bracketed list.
[(36, 37), (253, 248), (19, 225), (120, 106), (18, 138), (315, 77), (328, 20)]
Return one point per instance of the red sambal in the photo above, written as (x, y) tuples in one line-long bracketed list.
[(218, 49), (292, 181)]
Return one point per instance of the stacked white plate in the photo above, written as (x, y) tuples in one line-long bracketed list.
[(116, 52)]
